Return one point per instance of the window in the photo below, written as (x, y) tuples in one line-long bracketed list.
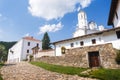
[(59, 45), (93, 41), (81, 43), (99, 39), (27, 51), (37, 44), (28, 43), (118, 34), (81, 16), (72, 44), (116, 15), (76, 43)]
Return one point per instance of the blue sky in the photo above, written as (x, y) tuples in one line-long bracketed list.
[(19, 18)]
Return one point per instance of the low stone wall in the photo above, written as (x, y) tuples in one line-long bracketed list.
[(78, 57), (106, 55)]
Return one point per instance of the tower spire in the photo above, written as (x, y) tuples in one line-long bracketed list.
[(82, 24), (82, 19)]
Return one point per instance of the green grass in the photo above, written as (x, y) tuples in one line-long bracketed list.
[(59, 69), (102, 74), (106, 74), (1, 64)]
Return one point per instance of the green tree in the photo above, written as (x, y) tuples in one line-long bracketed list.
[(118, 56), (46, 42), (2, 52)]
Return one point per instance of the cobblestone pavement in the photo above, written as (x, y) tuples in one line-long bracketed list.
[(26, 71)]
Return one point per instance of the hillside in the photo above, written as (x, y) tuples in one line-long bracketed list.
[(7, 45)]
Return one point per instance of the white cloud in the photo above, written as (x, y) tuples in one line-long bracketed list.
[(54, 9), (2, 18), (50, 28), (78, 9), (1, 30), (85, 3), (28, 34), (0, 15)]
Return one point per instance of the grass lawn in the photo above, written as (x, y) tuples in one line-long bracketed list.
[(1, 64), (59, 69), (106, 74), (102, 74)]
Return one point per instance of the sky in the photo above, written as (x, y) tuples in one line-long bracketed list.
[(20, 18)]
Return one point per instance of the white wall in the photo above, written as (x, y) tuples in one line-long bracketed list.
[(17, 49), (45, 53), (26, 47), (112, 38), (20, 50), (107, 37), (79, 32), (87, 42)]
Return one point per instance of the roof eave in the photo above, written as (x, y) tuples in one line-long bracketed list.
[(113, 8), (97, 33)]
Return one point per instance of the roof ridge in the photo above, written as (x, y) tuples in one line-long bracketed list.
[(30, 38)]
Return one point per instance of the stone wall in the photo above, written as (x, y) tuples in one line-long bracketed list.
[(78, 57), (41, 53)]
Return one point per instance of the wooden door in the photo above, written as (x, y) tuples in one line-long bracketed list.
[(94, 59)]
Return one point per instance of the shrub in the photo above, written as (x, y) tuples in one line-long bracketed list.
[(31, 57), (118, 57), (1, 64), (63, 50), (106, 74)]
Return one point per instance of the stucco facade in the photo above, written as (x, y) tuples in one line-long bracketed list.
[(22, 48), (103, 37), (81, 45)]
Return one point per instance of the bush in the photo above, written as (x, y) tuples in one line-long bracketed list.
[(31, 57), (1, 64), (118, 57), (106, 74), (63, 50)]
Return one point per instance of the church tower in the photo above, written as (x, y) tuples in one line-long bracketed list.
[(82, 24)]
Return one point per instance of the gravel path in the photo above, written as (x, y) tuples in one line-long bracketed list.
[(26, 71)]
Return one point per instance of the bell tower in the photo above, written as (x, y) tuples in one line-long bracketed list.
[(82, 24)]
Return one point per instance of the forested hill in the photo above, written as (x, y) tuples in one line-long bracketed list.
[(7, 44), (4, 47)]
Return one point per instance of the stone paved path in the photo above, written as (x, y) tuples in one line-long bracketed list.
[(26, 71)]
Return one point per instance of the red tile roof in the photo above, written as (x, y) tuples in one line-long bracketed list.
[(31, 38)]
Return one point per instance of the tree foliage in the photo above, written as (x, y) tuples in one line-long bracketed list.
[(4, 46), (2, 51), (63, 49), (118, 57), (7, 44), (46, 42)]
